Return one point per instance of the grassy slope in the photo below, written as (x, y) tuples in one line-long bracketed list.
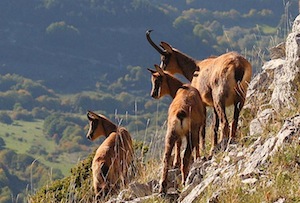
[(21, 135)]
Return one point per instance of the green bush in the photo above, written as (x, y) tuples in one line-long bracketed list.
[(5, 118), (75, 188)]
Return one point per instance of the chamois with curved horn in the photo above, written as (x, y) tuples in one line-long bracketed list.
[(222, 81), (186, 119), (113, 157)]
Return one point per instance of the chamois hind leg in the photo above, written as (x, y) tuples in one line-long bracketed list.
[(202, 141), (214, 137), (192, 142), (170, 139), (237, 109), (177, 158), (220, 109)]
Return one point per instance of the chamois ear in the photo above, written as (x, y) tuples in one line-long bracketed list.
[(159, 70), (166, 47), (151, 71)]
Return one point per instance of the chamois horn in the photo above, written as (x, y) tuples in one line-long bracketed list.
[(161, 51)]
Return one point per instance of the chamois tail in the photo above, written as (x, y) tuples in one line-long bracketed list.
[(242, 76)]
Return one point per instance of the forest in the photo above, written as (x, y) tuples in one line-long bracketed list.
[(60, 58)]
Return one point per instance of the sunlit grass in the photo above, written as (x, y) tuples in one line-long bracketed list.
[(20, 136)]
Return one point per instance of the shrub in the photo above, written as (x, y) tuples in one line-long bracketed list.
[(5, 118)]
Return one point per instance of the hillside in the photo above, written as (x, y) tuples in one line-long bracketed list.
[(72, 45), (263, 167)]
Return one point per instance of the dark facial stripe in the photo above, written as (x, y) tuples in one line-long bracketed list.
[(157, 86), (166, 61), (94, 127)]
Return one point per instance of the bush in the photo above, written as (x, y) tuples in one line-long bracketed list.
[(78, 185), (2, 143), (5, 118)]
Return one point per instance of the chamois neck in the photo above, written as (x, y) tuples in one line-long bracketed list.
[(108, 127), (187, 65), (173, 85)]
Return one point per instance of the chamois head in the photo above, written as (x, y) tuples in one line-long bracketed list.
[(172, 60), (96, 126), (163, 83), (157, 82)]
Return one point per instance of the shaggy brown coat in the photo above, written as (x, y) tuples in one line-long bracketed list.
[(113, 157), (186, 119)]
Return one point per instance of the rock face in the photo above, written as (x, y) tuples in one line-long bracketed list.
[(280, 77), (272, 92)]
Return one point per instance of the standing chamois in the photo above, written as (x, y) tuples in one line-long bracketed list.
[(186, 119), (113, 157), (222, 81)]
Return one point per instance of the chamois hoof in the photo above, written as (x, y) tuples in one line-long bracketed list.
[(223, 145), (204, 159), (163, 188), (233, 140)]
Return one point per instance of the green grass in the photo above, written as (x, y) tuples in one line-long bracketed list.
[(268, 30), (22, 135)]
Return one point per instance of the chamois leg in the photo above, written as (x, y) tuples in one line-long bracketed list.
[(169, 144), (177, 158), (192, 142), (214, 137), (202, 140), (237, 109), (220, 109), (196, 141)]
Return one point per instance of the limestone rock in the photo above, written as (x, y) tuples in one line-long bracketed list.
[(262, 120), (286, 79)]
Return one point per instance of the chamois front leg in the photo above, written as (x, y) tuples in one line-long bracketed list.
[(169, 144)]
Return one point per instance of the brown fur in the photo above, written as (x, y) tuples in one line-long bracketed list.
[(222, 81), (186, 119), (113, 157)]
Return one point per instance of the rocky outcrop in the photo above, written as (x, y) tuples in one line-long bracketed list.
[(278, 82), (244, 162)]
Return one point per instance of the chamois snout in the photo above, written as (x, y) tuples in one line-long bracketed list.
[(89, 137), (154, 94), (90, 133)]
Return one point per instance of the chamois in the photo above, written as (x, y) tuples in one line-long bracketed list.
[(113, 157), (222, 81), (186, 119)]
